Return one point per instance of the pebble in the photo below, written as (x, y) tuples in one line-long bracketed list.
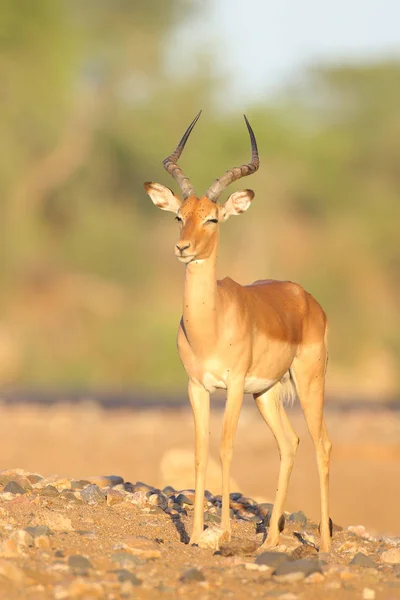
[(368, 594), (114, 497), (391, 557), (362, 560), (77, 562), (22, 538), (272, 559), (139, 486), (57, 521), (92, 494), (239, 547), (125, 575), (49, 490), (14, 488), (359, 530), (42, 542), (160, 500), (192, 574), (212, 538), (12, 572), (140, 546), (255, 567), (315, 578), (38, 530), (298, 517), (107, 480), (183, 500), (126, 559), (79, 484), (139, 498), (296, 570)]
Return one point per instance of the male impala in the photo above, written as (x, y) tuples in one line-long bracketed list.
[(268, 339)]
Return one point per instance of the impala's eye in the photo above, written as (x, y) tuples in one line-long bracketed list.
[(212, 221), (178, 218)]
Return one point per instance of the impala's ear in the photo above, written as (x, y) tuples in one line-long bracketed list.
[(163, 197), (237, 203)]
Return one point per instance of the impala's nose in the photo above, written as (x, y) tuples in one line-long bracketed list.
[(182, 245)]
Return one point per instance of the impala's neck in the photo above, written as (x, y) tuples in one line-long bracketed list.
[(200, 303)]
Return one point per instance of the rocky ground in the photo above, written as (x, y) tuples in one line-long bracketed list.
[(107, 538)]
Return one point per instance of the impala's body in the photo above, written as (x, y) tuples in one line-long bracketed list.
[(268, 339)]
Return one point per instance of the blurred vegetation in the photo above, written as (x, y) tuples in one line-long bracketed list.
[(90, 289)]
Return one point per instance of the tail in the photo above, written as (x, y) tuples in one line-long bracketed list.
[(287, 389)]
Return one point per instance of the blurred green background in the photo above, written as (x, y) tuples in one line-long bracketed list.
[(92, 100)]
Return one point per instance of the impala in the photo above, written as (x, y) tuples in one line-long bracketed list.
[(268, 339)]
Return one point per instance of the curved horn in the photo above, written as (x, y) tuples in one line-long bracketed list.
[(171, 160), (218, 186)]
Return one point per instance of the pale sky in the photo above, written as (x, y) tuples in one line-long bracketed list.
[(259, 45)]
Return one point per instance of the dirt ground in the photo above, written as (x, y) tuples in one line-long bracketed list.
[(63, 538), (146, 445)]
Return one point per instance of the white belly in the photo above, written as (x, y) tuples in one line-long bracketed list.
[(256, 385), (252, 385)]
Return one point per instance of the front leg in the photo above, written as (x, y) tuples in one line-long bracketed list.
[(200, 401), (231, 417)]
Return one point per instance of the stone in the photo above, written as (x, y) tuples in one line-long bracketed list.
[(79, 484), (14, 488), (183, 500), (70, 497), (92, 494), (56, 521), (38, 530), (107, 480), (211, 518), (49, 490), (192, 574), (359, 530), (125, 575), (34, 478), (160, 500), (138, 498), (140, 546), (139, 486), (126, 559), (12, 572), (292, 577), (272, 559), (316, 577), (114, 497), (368, 594), (305, 566), (362, 560), (78, 562), (79, 588), (42, 542), (169, 490), (212, 538), (391, 557), (262, 568), (10, 549), (234, 547), (304, 551), (299, 518), (23, 538)]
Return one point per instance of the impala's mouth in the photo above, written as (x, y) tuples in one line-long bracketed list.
[(185, 258)]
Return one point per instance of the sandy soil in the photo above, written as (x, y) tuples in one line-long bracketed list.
[(80, 441), (121, 546)]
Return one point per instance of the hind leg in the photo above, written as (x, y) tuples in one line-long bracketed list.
[(309, 373), (270, 407)]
